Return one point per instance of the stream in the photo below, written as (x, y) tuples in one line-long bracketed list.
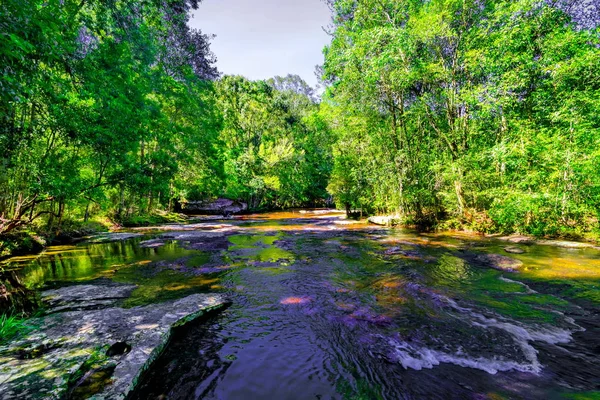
[(326, 308)]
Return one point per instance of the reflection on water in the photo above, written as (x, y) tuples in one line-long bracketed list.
[(323, 308), (154, 269)]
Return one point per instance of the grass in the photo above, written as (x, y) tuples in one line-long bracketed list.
[(10, 325)]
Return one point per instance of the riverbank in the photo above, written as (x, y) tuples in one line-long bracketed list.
[(571, 238)]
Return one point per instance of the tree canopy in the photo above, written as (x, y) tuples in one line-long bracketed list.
[(477, 111), (468, 114)]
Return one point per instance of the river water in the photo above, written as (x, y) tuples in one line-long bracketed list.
[(324, 308)]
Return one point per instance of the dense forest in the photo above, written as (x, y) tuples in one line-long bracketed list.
[(467, 114), (480, 113)]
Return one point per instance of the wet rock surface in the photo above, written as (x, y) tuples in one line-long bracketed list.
[(113, 237), (566, 244), (383, 220), (514, 250), (110, 346), (84, 297), (520, 239), (499, 262), (216, 207)]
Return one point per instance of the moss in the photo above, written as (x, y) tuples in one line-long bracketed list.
[(154, 219), (93, 375)]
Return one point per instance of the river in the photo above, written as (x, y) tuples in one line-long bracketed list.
[(324, 308)]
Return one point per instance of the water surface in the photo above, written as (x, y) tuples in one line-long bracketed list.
[(323, 308)]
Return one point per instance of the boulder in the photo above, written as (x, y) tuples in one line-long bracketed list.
[(98, 353), (499, 262), (383, 220), (514, 250), (223, 207), (519, 239)]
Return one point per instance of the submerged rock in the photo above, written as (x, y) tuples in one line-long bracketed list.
[(499, 262), (514, 250), (113, 237), (112, 346)]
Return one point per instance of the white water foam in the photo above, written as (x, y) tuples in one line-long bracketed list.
[(419, 357)]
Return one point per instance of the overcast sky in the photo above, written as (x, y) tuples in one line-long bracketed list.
[(263, 38)]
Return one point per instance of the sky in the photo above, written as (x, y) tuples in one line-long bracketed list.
[(260, 39)]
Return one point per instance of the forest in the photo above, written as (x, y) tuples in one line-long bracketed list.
[(448, 114), (424, 223)]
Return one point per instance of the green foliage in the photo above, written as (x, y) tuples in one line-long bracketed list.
[(480, 112), (20, 243), (103, 105), (10, 325), (275, 145), (154, 219)]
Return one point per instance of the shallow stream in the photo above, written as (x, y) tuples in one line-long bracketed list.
[(324, 308)]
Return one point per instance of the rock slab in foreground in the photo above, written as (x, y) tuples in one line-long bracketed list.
[(66, 349)]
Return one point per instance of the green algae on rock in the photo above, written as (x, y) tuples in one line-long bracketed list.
[(71, 346)]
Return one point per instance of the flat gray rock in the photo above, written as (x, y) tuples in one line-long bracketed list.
[(500, 262), (113, 237), (514, 250), (83, 297), (153, 243), (566, 244), (67, 349), (519, 239), (383, 220)]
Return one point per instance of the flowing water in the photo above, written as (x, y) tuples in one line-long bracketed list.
[(323, 308)]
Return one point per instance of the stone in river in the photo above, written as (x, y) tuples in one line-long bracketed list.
[(383, 220), (220, 206), (499, 262), (514, 250)]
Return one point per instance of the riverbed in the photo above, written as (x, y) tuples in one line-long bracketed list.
[(326, 308)]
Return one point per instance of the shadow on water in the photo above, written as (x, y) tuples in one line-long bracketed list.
[(325, 308)]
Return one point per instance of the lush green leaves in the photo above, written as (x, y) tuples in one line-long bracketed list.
[(469, 108)]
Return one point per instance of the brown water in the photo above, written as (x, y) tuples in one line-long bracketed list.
[(323, 308)]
